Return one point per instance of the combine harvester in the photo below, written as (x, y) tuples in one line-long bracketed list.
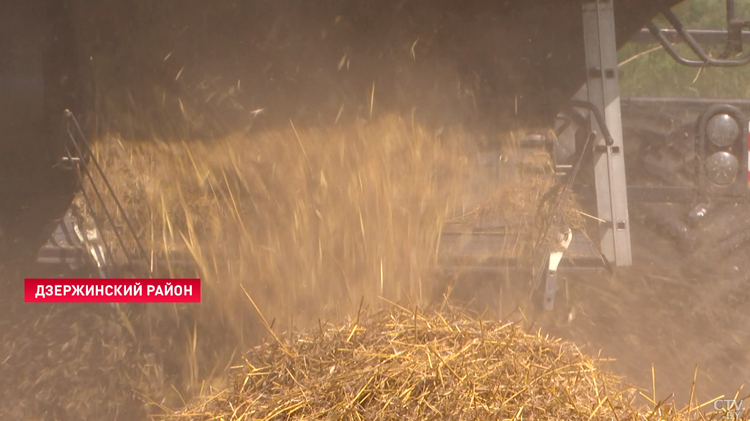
[(687, 178), (683, 168)]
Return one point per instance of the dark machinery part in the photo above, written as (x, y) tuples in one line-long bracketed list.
[(735, 26), (608, 140), (38, 79)]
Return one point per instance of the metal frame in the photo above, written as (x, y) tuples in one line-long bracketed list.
[(609, 162), (733, 42), (79, 158), (703, 36)]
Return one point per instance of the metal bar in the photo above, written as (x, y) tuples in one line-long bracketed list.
[(101, 200), (697, 102), (609, 162), (703, 36), (556, 224), (567, 265), (671, 51), (106, 182), (734, 29), (730, 12), (66, 233), (609, 141), (658, 194), (662, 194), (691, 42), (108, 255), (651, 194)]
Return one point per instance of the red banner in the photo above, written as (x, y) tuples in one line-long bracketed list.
[(112, 290)]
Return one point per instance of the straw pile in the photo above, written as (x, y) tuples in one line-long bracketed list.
[(401, 364)]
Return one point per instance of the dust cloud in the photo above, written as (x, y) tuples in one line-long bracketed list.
[(310, 153)]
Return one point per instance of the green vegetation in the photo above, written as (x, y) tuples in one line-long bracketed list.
[(647, 70)]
